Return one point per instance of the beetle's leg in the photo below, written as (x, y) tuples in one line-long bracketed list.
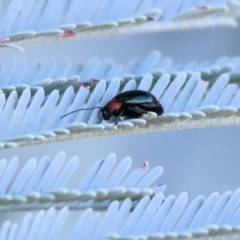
[(136, 111), (118, 117)]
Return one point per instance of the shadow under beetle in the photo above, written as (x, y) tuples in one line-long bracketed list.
[(132, 104)]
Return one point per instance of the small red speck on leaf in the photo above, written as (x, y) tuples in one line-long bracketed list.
[(202, 7), (150, 19), (69, 33), (144, 166), (89, 83)]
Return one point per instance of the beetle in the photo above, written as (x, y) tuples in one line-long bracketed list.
[(132, 104)]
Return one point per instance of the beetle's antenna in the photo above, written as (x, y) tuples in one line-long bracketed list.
[(78, 111)]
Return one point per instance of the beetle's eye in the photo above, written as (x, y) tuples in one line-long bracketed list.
[(107, 113)]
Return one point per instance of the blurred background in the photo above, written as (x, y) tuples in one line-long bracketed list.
[(198, 161)]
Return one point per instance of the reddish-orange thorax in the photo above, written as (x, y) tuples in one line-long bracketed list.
[(116, 105)]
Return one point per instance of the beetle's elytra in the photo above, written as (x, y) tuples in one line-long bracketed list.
[(132, 104)]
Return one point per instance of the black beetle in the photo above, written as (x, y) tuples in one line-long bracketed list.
[(132, 104)]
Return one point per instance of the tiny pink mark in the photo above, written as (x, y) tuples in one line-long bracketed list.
[(89, 83), (4, 40), (144, 166), (202, 7), (204, 81), (69, 33)]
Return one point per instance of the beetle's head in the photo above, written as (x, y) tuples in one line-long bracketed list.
[(107, 112)]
